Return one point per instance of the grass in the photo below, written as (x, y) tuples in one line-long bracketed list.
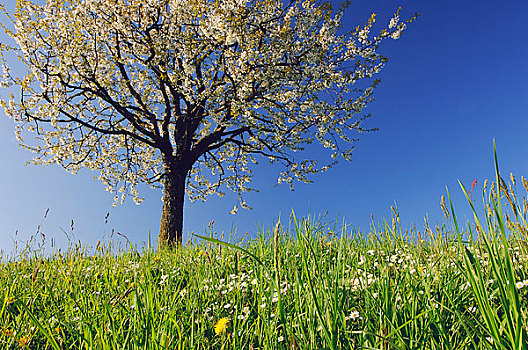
[(300, 286)]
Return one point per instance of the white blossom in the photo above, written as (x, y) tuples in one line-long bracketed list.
[(394, 22)]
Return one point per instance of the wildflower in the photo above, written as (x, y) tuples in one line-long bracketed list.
[(280, 339), (163, 279), (354, 315), (23, 342), (221, 325), (473, 185), (245, 310), (519, 284)]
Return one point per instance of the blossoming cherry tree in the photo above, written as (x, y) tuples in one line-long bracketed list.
[(187, 95)]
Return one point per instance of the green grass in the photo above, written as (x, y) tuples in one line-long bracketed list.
[(303, 285)]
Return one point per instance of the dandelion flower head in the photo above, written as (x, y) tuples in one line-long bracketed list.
[(220, 326)]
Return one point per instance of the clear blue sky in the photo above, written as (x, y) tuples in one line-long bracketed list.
[(456, 80)]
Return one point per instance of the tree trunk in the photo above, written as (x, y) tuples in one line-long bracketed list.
[(171, 227)]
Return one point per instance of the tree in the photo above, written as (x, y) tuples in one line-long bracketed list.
[(184, 95)]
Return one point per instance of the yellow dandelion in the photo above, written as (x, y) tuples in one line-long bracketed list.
[(220, 326)]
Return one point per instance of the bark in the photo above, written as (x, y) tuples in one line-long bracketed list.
[(171, 227)]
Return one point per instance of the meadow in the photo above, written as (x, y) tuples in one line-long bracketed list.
[(300, 285)]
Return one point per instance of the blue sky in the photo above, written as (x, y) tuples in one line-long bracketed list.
[(456, 80)]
